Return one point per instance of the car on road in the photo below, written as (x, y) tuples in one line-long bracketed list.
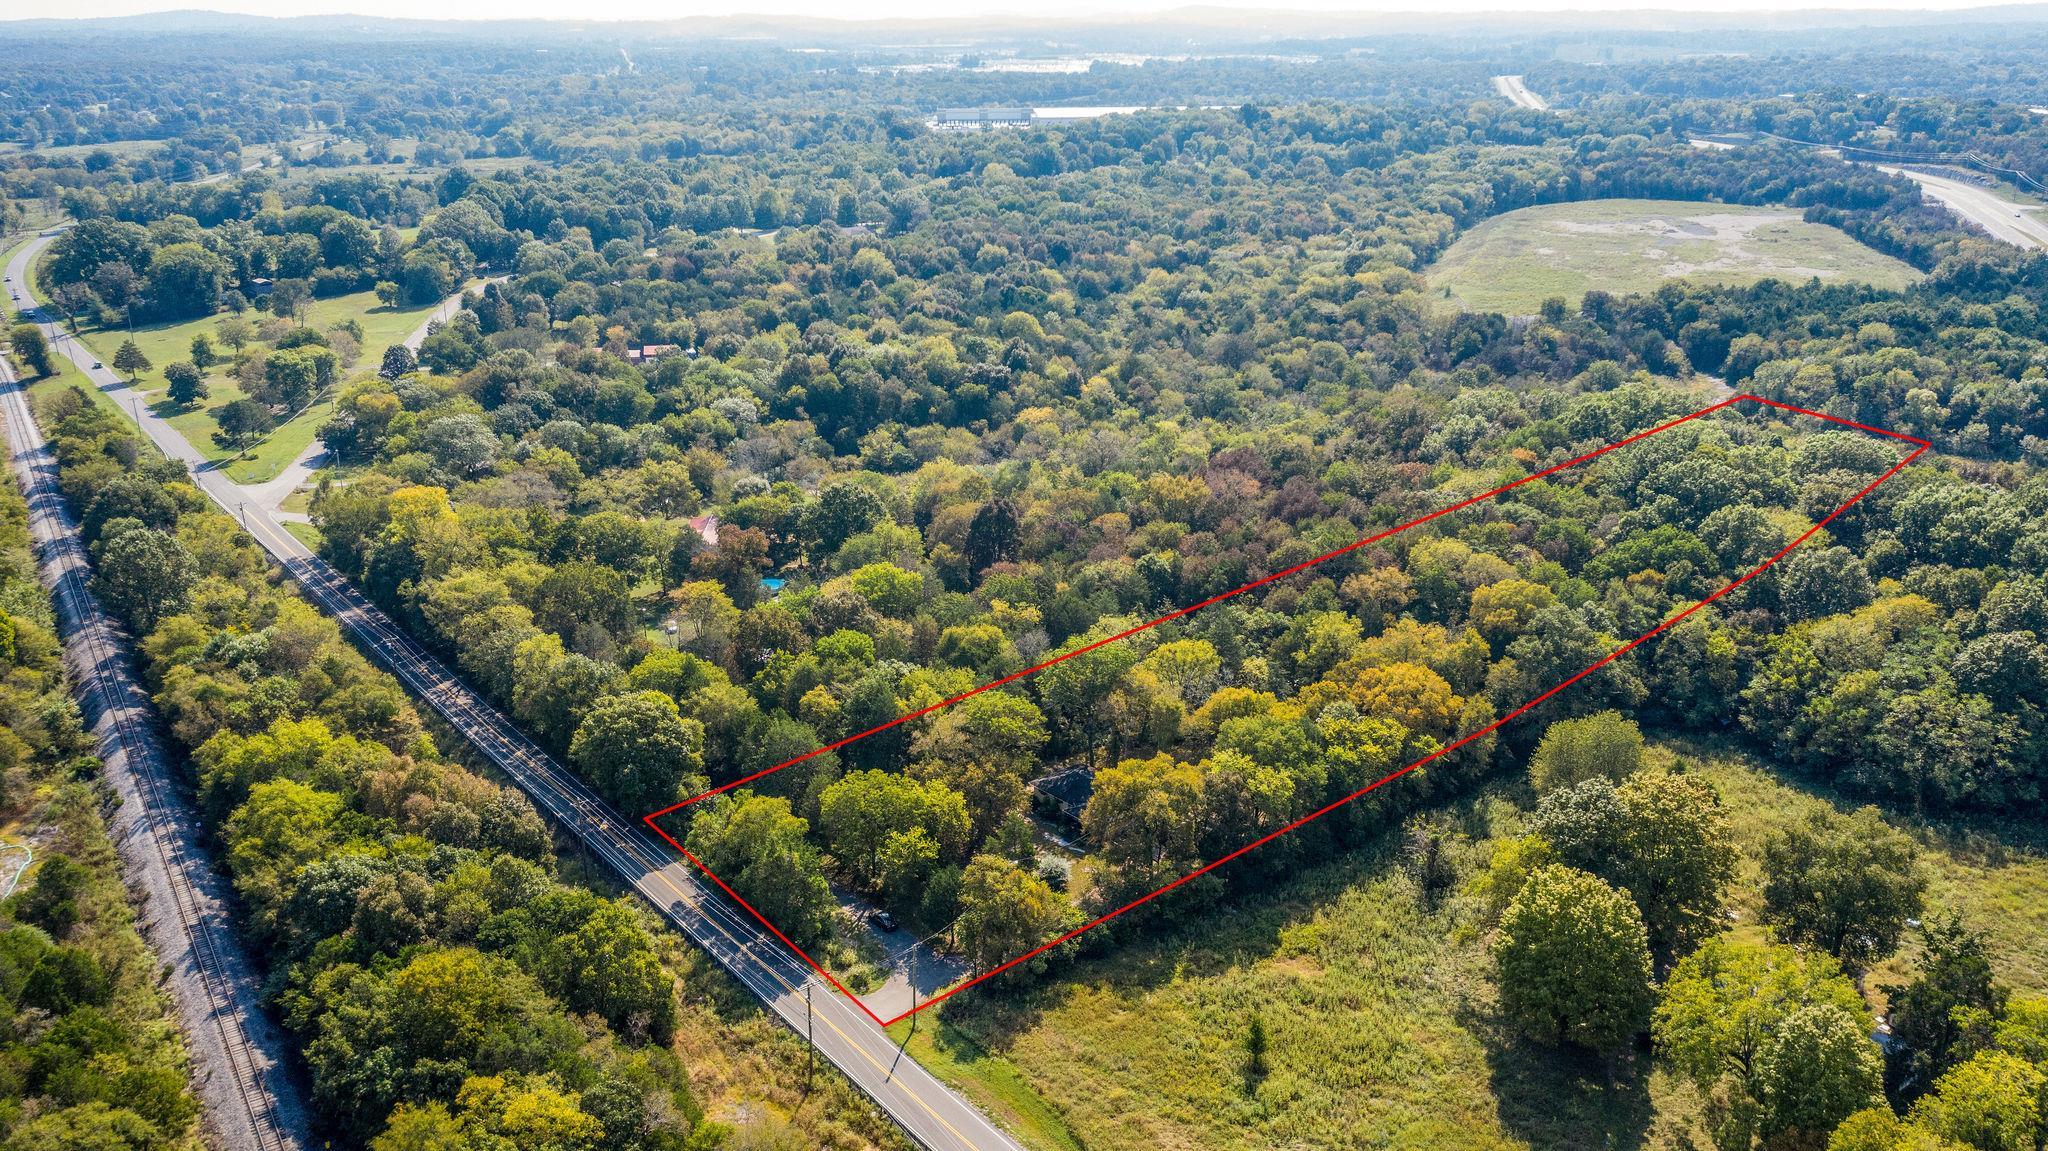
[(95, 364), (885, 921)]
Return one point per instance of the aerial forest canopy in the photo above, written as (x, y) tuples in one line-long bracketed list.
[(771, 415)]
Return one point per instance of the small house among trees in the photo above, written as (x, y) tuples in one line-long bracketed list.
[(1063, 795)]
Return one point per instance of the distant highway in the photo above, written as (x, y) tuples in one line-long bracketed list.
[(932, 1114), (1518, 93), (2006, 220)]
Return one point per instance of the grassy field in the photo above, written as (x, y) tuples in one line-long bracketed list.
[(124, 148), (1515, 261), (277, 451), (67, 375), (304, 533), (1998, 880), (1382, 1022), (353, 163), (991, 1081), (1382, 1017), (37, 214), (167, 343)]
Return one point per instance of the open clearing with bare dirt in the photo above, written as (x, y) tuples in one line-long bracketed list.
[(1515, 261)]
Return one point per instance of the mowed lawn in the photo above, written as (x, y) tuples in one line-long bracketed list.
[(1515, 261), (66, 376), (165, 344), (1381, 1014)]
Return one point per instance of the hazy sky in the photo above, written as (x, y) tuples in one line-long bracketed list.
[(873, 9)]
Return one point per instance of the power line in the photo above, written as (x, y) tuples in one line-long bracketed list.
[(1973, 158)]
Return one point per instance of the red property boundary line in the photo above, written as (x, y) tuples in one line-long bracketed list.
[(1921, 447)]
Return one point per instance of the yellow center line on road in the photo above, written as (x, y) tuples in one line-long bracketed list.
[(265, 529), (857, 1046)]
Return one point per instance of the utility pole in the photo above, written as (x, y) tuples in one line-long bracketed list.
[(810, 1039)]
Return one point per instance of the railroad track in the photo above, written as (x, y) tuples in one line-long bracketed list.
[(842, 1031), (106, 680), (570, 802)]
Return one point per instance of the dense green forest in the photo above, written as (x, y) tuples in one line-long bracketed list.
[(772, 416), (91, 1054), (452, 985)]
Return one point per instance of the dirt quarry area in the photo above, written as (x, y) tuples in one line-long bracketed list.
[(1513, 262)]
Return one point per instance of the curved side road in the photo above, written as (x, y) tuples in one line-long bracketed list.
[(445, 311), (930, 1112), (271, 493), (239, 1062)]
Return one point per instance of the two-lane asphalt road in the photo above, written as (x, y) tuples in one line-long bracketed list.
[(927, 1109)]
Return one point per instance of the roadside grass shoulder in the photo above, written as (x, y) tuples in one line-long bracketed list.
[(991, 1081), (35, 275), (305, 533), (68, 376), (1381, 1015)]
